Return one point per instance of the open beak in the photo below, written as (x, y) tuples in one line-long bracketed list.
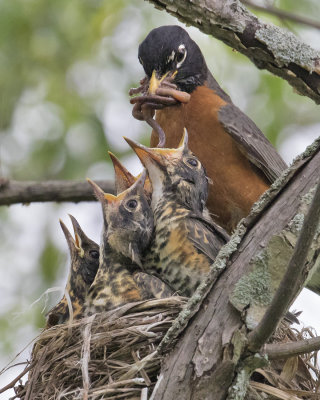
[(124, 179), (73, 244), (155, 82), (145, 154), (153, 154), (79, 235)]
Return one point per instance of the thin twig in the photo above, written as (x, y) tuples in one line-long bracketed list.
[(286, 350), (85, 357), (12, 383), (293, 279), (35, 374), (282, 14), (13, 192)]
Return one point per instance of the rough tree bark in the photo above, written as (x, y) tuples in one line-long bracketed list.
[(13, 192), (266, 45), (209, 356), (211, 359)]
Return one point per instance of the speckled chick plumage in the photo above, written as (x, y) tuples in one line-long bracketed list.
[(84, 254), (186, 241), (127, 231)]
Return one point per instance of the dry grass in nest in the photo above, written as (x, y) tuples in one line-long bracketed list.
[(113, 355), (292, 379), (110, 355)]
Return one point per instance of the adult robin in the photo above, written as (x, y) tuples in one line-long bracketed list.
[(84, 254), (127, 230), (238, 158), (185, 242)]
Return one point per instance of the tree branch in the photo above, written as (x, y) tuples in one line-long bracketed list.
[(292, 281), (282, 14), (209, 354), (286, 350), (267, 46), (231, 247), (13, 192)]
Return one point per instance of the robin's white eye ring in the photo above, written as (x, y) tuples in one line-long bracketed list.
[(181, 55)]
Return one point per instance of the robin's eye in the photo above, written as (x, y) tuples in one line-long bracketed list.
[(181, 55), (94, 254), (193, 162), (132, 204)]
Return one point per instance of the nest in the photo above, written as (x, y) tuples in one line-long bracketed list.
[(109, 355), (114, 355)]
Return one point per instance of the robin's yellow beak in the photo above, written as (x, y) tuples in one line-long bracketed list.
[(155, 82)]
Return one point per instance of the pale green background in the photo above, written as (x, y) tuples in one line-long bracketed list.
[(65, 71)]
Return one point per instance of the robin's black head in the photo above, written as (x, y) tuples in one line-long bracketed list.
[(128, 220), (169, 50), (175, 173)]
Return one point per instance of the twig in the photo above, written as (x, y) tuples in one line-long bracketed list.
[(35, 373), (85, 356), (282, 14), (12, 383), (286, 350), (13, 192), (144, 394), (292, 280)]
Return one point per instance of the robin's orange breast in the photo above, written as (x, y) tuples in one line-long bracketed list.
[(236, 183)]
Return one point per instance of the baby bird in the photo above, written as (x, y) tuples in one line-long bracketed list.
[(127, 230), (123, 180), (84, 265), (186, 240)]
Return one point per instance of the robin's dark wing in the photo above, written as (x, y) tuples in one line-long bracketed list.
[(206, 236), (252, 141), (245, 132), (152, 286)]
